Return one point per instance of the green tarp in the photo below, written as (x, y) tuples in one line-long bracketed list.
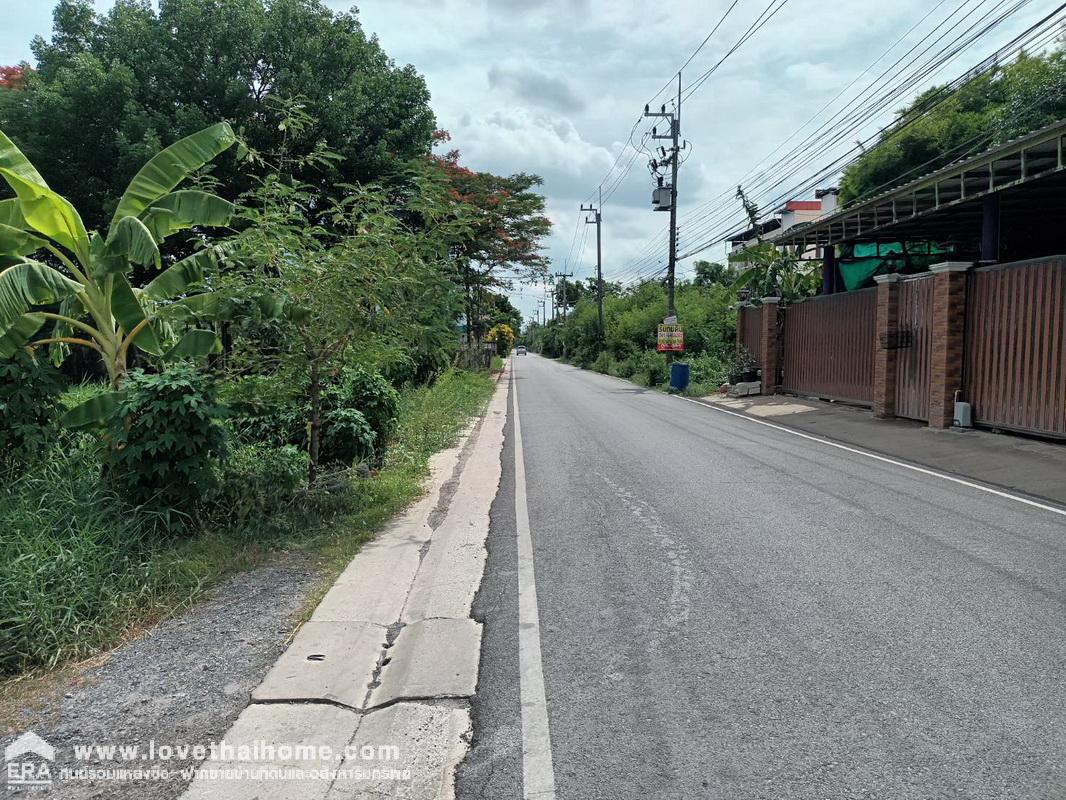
[(861, 261)]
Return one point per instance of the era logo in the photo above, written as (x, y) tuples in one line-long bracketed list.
[(28, 761)]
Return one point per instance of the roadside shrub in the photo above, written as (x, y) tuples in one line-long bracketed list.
[(258, 481), (166, 438), (347, 437), (602, 363), (707, 369), (650, 368), (373, 396), (29, 402)]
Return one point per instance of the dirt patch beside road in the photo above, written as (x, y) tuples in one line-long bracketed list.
[(182, 683)]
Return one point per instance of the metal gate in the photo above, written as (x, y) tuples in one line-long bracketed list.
[(1015, 368), (912, 367), (750, 333), (829, 346)]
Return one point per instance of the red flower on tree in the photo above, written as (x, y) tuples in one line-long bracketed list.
[(13, 78)]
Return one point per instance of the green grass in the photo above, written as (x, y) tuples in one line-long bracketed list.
[(79, 568)]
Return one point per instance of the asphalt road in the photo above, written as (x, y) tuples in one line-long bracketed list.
[(729, 611)]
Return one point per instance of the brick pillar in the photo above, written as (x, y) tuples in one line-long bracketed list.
[(886, 356), (769, 357), (947, 332)]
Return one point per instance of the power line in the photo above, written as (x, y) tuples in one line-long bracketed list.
[(952, 50)]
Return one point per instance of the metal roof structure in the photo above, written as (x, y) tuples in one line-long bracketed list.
[(1027, 173)]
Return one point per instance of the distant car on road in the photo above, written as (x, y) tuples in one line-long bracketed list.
[(520, 350)]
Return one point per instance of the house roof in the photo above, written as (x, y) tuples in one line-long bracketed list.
[(803, 205)]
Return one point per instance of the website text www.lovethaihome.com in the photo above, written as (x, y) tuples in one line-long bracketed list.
[(32, 762)]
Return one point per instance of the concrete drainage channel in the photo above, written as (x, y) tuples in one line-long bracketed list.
[(376, 684)]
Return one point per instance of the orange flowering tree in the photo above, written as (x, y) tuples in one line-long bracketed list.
[(507, 230)]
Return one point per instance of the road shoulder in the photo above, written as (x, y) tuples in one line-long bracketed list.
[(385, 667)]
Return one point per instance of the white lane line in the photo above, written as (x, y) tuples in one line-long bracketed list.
[(538, 777), (885, 459)]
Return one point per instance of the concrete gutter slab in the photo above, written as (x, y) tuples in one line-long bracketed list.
[(327, 662), (431, 741), (374, 586), (431, 658), (301, 729), (450, 574)]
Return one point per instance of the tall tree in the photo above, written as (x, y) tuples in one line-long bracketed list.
[(507, 228), (110, 88)]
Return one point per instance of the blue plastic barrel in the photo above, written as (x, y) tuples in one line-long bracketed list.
[(678, 377)]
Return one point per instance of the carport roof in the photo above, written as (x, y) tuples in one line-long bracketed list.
[(1026, 172)]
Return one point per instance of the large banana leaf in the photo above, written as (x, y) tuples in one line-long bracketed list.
[(170, 167), (184, 209), (10, 214), (206, 305), (11, 158), (178, 278), (19, 333), (93, 412), (30, 284), (195, 344), (132, 240), (17, 242), (71, 307), (129, 313), (49, 214)]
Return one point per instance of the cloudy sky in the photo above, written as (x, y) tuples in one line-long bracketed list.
[(555, 86)]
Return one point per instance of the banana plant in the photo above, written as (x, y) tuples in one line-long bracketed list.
[(85, 289)]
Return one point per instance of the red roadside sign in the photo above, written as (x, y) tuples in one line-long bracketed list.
[(671, 339)]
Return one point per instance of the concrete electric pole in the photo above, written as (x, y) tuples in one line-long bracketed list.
[(673, 160), (597, 220)]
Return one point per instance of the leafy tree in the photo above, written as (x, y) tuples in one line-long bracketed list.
[(712, 273), (941, 126), (503, 335), (569, 294), (110, 88), (333, 290), (499, 309), (88, 274)]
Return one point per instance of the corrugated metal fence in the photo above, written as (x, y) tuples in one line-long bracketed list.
[(750, 333), (829, 346), (915, 321), (1015, 369)]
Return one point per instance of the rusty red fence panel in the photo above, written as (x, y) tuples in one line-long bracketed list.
[(1015, 362), (829, 346), (750, 333), (915, 322)]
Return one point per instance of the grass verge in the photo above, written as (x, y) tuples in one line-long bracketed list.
[(79, 569)]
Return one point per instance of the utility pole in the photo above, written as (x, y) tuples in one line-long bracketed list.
[(542, 316), (673, 161), (597, 220)]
